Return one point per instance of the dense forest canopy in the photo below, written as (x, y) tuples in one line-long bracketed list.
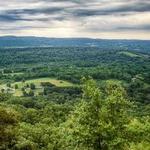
[(75, 98), (130, 67)]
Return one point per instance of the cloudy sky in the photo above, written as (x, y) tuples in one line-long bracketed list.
[(125, 19)]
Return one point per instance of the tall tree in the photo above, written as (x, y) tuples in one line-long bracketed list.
[(98, 121)]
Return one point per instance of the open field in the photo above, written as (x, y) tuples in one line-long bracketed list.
[(130, 54), (56, 82), (37, 82)]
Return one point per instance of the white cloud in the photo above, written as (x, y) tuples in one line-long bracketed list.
[(84, 18)]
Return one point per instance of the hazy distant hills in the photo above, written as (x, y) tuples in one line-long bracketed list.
[(12, 41)]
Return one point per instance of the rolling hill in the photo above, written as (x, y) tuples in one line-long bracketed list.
[(30, 41)]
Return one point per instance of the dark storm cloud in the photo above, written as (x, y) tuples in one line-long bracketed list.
[(6, 17), (137, 7), (16, 14), (11, 18), (48, 10), (14, 18)]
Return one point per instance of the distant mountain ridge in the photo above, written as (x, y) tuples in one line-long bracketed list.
[(31, 41), (27, 41)]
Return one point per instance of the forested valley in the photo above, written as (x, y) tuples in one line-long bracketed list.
[(74, 98)]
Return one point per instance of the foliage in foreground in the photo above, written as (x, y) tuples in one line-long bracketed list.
[(99, 121)]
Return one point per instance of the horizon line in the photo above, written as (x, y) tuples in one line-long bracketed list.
[(130, 39)]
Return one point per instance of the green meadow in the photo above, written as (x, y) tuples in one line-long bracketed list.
[(37, 82)]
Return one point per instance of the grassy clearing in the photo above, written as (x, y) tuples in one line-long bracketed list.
[(129, 54), (133, 55), (37, 82)]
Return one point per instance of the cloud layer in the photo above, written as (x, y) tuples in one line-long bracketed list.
[(123, 19)]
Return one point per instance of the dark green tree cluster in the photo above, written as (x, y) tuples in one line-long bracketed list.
[(8, 128)]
